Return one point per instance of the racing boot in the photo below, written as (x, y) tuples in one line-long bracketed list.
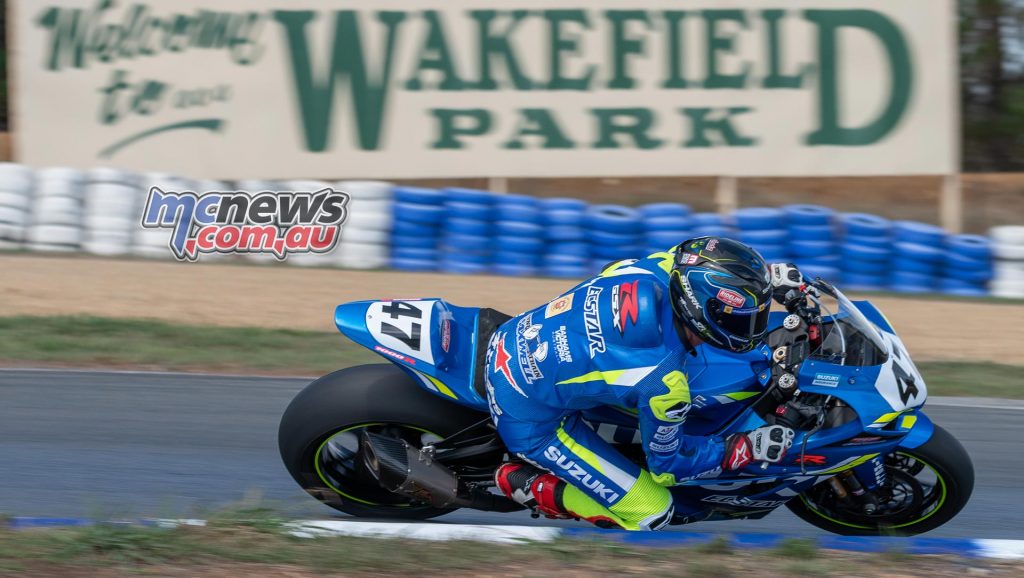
[(536, 489)]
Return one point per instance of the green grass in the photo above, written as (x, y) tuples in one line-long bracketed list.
[(121, 343)]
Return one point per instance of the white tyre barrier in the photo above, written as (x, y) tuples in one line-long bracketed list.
[(6, 245), (12, 216), (304, 186), (50, 188), (112, 176), (1007, 251), (1007, 235), (12, 233), (15, 200), (366, 190), (61, 235), (107, 249), (16, 178), (368, 236), (257, 186), (57, 211), (60, 174), (361, 255)]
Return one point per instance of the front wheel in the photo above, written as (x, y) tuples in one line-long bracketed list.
[(320, 430), (929, 485)]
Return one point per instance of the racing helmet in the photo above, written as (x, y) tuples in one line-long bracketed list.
[(721, 291)]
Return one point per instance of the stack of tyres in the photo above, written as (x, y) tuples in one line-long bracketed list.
[(764, 229), (366, 234), (110, 186), (966, 265), (468, 236), (566, 252), (1008, 250), (812, 244), (917, 254), (201, 187), (865, 251), (15, 203), (712, 225), (614, 232), (57, 211), (665, 226), (519, 242), (416, 232), (300, 259)]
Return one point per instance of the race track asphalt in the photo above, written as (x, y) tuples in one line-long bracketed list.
[(113, 444)]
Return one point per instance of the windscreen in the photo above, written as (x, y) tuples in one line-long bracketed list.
[(848, 338)]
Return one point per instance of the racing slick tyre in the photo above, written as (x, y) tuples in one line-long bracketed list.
[(319, 435), (937, 479)]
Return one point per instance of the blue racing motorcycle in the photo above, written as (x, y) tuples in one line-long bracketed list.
[(413, 438)]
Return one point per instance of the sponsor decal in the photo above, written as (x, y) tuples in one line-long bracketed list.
[(592, 321), (446, 334), (811, 460), (576, 471), (624, 305), (712, 244), (278, 224), (740, 456), (531, 332), (561, 340), (501, 359), (656, 447), (730, 298), (743, 502), (678, 412), (394, 354), (689, 293), (690, 259), (863, 440), (826, 380), (666, 433), (541, 353), (558, 306), (527, 363), (712, 473)]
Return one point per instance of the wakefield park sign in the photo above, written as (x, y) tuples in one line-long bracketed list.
[(470, 88)]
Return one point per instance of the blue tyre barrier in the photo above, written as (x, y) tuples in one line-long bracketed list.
[(772, 253), (413, 264), (612, 252), (605, 238), (964, 288), (565, 233), (453, 254), (462, 267), (563, 204), (808, 215), (563, 217), (763, 236), (907, 279), (879, 242), (918, 252), (614, 219), (861, 267), (522, 213), (575, 250), (712, 231), (468, 243), (505, 255), (515, 228), (466, 227), (659, 210), (670, 223), (531, 245), (510, 200), (415, 253), (811, 249), (412, 229), (567, 271), (811, 233), (863, 282), (419, 213), (418, 196), (864, 252), (415, 241), (831, 260), (474, 211), (973, 246), (978, 276), (830, 274), (920, 233), (911, 265), (514, 270), (707, 220), (665, 239), (758, 218), (953, 260), (474, 196), (864, 225)]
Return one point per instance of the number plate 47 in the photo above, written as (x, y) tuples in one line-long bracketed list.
[(403, 326)]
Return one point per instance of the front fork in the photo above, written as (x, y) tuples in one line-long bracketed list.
[(861, 484)]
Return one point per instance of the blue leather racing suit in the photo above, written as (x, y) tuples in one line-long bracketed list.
[(609, 341)]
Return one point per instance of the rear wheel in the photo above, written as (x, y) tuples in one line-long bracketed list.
[(319, 435), (928, 486)]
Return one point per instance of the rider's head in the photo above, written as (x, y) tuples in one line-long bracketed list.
[(721, 291)]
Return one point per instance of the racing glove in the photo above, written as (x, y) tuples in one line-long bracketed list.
[(764, 444), (786, 282)]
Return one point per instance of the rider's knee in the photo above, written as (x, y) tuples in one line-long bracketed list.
[(646, 506)]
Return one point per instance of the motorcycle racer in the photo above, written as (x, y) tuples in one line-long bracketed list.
[(628, 339)]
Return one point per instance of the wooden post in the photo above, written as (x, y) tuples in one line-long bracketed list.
[(497, 184), (951, 204), (727, 194)]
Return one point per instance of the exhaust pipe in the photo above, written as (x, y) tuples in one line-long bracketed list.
[(403, 469)]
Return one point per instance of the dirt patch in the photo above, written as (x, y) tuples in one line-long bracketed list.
[(239, 295)]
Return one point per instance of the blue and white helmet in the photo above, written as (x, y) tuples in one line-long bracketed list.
[(721, 291)]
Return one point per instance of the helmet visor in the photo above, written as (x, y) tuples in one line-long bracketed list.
[(740, 324)]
